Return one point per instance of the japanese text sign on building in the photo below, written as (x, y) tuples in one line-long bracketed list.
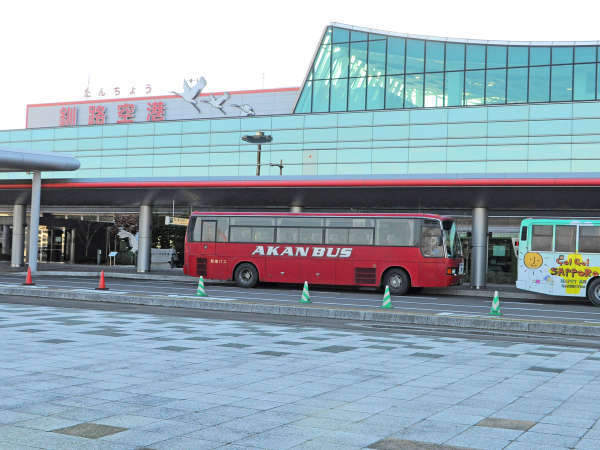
[(98, 114)]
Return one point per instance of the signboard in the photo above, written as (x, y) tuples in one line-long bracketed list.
[(161, 108), (181, 221)]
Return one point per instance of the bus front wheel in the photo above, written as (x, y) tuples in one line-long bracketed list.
[(593, 292), (246, 275), (397, 280)]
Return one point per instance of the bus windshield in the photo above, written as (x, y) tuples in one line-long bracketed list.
[(453, 245)]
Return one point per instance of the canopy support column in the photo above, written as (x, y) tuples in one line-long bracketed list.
[(34, 220), (479, 251), (5, 240), (18, 241), (144, 239)]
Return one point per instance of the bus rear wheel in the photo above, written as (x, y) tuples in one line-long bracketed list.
[(397, 280), (593, 292), (246, 275)]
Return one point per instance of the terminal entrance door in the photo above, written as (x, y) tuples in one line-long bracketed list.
[(52, 244)]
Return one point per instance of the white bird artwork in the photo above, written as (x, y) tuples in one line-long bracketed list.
[(190, 94), (245, 108), (218, 102), (132, 239)]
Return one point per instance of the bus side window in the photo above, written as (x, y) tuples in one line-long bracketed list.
[(431, 240), (589, 239), (565, 238), (398, 232), (196, 230), (524, 234), (208, 231), (541, 238)]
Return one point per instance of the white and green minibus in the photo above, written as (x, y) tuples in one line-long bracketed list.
[(560, 257)]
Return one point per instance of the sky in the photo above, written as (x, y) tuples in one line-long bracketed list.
[(50, 49)]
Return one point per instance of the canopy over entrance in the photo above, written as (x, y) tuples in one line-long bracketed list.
[(12, 160)]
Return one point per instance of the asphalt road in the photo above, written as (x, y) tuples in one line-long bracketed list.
[(577, 310)]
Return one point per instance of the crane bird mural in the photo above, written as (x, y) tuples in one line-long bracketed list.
[(245, 108), (191, 93), (218, 102)]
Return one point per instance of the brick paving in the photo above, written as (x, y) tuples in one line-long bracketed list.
[(89, 379)]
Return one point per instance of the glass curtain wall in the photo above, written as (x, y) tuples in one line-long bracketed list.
[(355, 70)]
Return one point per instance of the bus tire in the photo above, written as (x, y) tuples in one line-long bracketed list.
[(397, 280), (593, 292), (245, 275)]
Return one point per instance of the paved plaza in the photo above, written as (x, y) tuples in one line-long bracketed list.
[(93, 379)]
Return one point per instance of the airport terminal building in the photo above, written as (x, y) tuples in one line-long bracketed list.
[(488, 131)]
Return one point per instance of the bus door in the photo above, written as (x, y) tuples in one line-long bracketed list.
[(206, 249), (537, 258)]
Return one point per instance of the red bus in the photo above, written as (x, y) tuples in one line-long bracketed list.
[(398, 250)]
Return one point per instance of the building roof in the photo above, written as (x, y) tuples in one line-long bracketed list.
[(461, 40)]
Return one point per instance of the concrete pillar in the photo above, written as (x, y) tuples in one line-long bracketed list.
[(34, 220), (144, 239), (18, 241), (72, 246), (479, 250), (5, 240)]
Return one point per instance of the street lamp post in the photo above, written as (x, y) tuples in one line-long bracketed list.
[(259, 138), (280, 165)]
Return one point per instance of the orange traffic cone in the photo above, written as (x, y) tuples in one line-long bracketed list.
[(28, 280), (102, 284)]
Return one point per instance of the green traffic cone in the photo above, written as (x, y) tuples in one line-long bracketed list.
[(200, 292), (495, 311), (305, 295), (387, 299)]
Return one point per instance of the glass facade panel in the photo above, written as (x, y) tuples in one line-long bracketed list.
[(496, 56), (585, 54), (518, 56), (434, 52), (358, 36), (320, 96), (322, 63), (597, 81), (414, 56), (455, 57), (305, 101), (495, 86), (358, 59), (474, 86), (375, 67), (339, 60), (562, 55), (516, 86), (475, 56), (340, 35), (375, 92), (562, 83), (376, 58), (539, 56), (339, 94), (539, 84), (357, 94), (395, 55), (413, 97), (455, 85), (394, 94), (434, 89)]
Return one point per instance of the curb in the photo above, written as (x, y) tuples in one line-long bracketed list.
[(312, 310), (516, 295)]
